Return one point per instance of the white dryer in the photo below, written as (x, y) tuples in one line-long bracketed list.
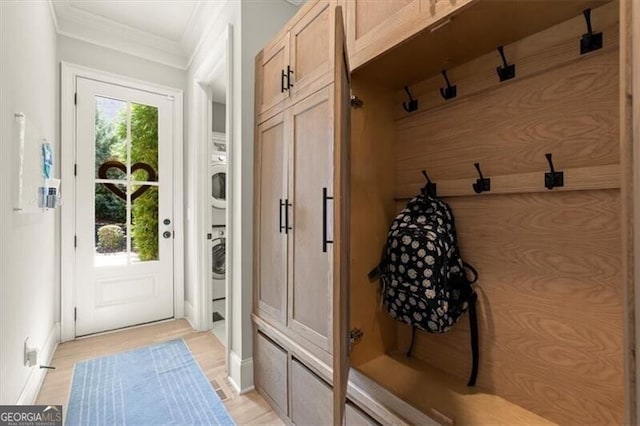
[(219, 188)]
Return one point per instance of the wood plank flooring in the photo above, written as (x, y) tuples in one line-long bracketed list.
[(246, 409)]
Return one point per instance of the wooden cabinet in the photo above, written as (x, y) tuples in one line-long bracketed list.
[(301, 225), (311, 398), (270, 212), (294, 217), (311, 192), (552, 263), (299, 62), (375, 27), (271, 372), (271, 67)]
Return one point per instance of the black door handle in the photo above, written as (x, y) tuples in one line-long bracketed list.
[(282, 85), (325, 241), (287, 204), (280, 215), (289, 72)]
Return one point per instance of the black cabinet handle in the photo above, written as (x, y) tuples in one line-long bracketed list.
[(282, 85), (287, 204), (280, 215), (289, 72), (325, 197)]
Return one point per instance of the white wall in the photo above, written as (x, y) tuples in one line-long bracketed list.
[(28, 244), (104, 59), (254, 23), (260, 21)]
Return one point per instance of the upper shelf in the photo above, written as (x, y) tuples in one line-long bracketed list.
[(474, 31)]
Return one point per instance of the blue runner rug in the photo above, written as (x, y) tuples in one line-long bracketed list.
[(156, 385)]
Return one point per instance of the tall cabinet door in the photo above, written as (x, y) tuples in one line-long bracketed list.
[(341, 137), (270, 233), (310, 189)]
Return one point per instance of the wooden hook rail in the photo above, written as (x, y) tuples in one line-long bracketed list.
[(575, 179)]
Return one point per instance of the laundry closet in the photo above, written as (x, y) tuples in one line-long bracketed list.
[(532, 102)]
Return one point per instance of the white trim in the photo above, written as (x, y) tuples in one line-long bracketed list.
[(202, 126), (84, 25), (69, 73), (37, 375), (241, 373), (188, 314)]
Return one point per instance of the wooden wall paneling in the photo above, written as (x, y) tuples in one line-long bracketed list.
[(480, 28), (550, 303), (579, 179), (540, 52), (571, 112), (311, 170), (372, 209)]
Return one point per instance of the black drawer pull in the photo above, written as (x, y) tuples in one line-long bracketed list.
[(325, 197)]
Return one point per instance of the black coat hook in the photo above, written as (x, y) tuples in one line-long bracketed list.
[(506, 71), (430, 188), (449, 91), (589, 41), (413, 103), (482, 184), (553, 179)]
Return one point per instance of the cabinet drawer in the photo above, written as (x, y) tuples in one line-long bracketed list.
[(355, 417), (271, 371), (311, 398)]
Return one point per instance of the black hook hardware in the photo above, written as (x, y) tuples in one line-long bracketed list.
[(430, 188), (482, 184), (589, 41), (506, 71), (413, 103), (449, 91), (553, 179)]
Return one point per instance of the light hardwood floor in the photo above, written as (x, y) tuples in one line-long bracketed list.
[(247, 409)]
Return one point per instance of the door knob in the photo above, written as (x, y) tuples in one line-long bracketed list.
[(166, 234)]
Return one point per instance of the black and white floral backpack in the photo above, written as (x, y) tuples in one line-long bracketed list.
[(423, 278)]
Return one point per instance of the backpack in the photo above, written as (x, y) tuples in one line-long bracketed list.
[(423, 278)]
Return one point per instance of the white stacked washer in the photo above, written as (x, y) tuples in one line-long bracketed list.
[(218, 249)]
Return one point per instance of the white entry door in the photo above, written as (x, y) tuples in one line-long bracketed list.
[(124, 204)]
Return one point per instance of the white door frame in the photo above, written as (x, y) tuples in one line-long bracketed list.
[(69, 73), (220, 59)]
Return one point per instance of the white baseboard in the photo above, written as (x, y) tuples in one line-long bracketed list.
[(188, 314), (45, 354), (241, 373)]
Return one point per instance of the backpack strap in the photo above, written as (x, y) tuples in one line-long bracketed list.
[(475, 352), (413, 338)]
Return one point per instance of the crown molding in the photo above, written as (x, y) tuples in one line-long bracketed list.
[(82, 25)]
